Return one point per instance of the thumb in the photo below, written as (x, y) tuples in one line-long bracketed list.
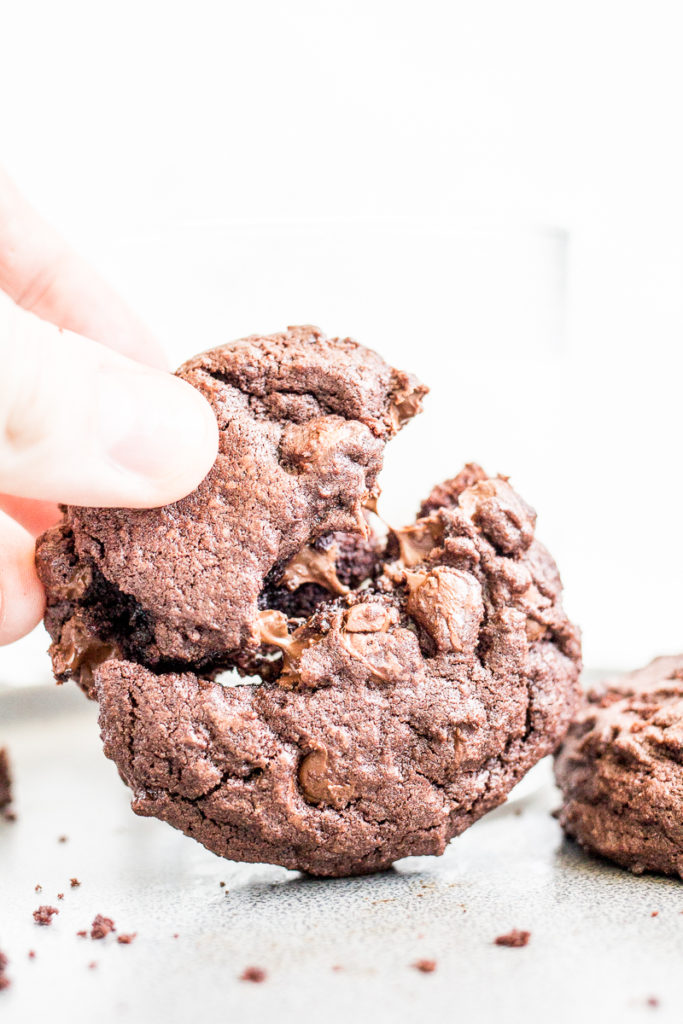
[(84, 425)]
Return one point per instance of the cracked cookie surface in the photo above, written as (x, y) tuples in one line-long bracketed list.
[(406, 689), (620, 769), (303, 422)]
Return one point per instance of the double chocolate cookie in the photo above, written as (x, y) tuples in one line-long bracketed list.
[(404, 687), (621, 770)]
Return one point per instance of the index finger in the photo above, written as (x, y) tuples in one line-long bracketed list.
[(41, 273)]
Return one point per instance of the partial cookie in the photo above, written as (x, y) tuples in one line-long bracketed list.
[(5, 781), (621, 770), (400, 715), (303, 422)]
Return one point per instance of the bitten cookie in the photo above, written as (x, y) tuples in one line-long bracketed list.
[(620, 770), (405, 690), (303, 422)]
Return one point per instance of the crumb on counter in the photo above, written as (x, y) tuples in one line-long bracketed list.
[(426, 966), (253, 974), (101, 927), (43, 915), (4, 980), (514, 939)]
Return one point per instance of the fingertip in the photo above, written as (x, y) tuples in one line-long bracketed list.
[(82, 425), (22, 599), (162, 435)]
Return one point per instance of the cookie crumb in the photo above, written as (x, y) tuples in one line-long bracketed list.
[(101, 927), (426, 966), (38, 888), (514, 939), (74, 883), (60, 895), (222, 885), (126, 938), (4, 980), (655, 913), (62, 839), (255, 974), (82, 934), (43, 915)]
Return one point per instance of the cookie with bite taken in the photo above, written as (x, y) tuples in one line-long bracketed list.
[(394, 690)]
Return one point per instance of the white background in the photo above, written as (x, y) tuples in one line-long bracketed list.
[(127, 119)]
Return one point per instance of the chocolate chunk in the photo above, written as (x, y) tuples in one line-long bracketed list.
[(447, 494)]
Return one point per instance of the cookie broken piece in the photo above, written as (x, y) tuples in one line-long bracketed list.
[(620, 770), (303, 422), (404, 711)]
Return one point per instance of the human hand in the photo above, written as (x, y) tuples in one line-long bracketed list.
[(88, 415)]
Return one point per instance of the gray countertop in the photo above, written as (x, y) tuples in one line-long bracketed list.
[(334, 949)]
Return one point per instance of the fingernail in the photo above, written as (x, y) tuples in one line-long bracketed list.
[(157, 427)]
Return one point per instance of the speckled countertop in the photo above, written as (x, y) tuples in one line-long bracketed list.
[(604, 945)]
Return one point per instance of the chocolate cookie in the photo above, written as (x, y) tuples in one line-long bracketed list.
[(406, 691), (620, 770), (303, 422)]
